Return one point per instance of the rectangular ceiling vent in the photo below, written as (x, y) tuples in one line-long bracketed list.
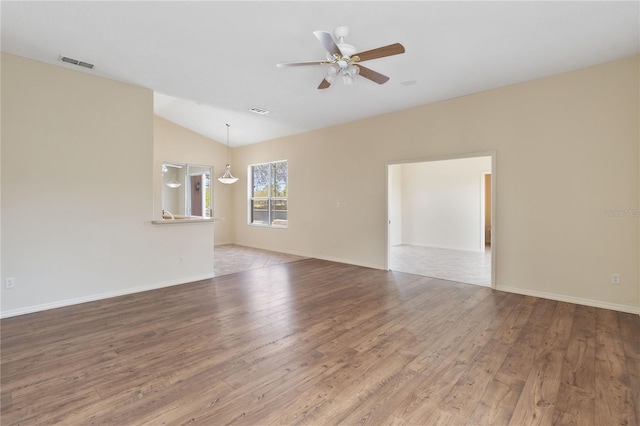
[(259, 110), (76, 62)]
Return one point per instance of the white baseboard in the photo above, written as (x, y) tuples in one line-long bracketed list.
[(476, 250), (100, 296), (570, 299), (315, 256), (347, 261), (91, 298)]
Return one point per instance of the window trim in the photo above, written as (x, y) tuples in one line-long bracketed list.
[(268, 199)]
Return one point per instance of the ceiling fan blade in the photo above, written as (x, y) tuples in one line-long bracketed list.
[(327, 42), (381, 52), (372, 75), (324, 84), (299, 64)]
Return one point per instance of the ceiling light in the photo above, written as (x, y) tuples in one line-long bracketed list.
[(227, 178)]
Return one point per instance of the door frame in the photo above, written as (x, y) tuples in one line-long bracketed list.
[(494, 196)]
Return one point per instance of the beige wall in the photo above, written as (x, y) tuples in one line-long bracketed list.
[(174, 143), (77, 192), (567, 152), (78, 174)]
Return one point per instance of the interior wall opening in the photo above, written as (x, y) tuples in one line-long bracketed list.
[(441, 218)]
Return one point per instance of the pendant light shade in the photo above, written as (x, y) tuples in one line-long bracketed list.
[(227, 178), (173, 183)]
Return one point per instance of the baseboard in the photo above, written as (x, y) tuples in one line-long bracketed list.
[(92, 298), (315, 256), (347, 261), (571, 299), (101, 296), (475, 250)]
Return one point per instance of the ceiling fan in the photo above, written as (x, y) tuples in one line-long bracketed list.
[(343, 60)]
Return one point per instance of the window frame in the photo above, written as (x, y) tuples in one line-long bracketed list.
[(270, 199)]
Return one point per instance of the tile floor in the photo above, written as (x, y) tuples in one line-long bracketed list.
[(230, 258), (456, 265)]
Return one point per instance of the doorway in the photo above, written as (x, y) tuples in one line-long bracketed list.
[(441, 218), (486, 198), (196, 195)]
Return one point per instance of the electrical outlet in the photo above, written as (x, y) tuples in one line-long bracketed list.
[(181, 259), (615, 278), (10, 282)]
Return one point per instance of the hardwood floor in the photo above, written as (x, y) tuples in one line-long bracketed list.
[(316, 342)]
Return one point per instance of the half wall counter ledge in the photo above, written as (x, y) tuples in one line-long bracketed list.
[(174, 220)]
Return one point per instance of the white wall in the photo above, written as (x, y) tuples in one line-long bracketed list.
[(442, 203), (566, 153), (77, 192)]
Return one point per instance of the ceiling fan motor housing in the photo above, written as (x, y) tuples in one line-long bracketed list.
[(347, 50)]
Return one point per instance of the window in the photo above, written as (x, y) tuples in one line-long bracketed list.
[(268, 194)]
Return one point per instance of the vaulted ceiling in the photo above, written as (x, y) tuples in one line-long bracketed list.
[(208, 62)]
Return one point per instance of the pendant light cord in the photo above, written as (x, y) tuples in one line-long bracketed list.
[(228, 125), (227, 178)]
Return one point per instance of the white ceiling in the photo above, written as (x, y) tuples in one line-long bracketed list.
[(208, 62)]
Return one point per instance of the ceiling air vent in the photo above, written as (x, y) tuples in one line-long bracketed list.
[(76, 62), (259, 110)]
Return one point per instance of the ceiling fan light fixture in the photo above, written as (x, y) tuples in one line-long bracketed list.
[(227, 178), (343, 58)]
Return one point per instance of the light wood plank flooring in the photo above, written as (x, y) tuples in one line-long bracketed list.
[(317, 342)]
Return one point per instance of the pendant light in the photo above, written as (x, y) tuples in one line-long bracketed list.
[(173, 183), (227, 177)]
